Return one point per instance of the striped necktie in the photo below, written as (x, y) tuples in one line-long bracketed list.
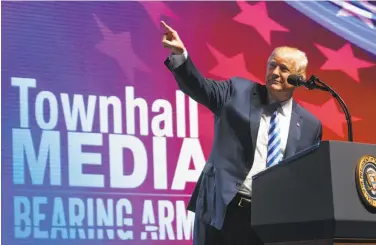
[(274, 155)]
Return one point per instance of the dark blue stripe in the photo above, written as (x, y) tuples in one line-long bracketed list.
[(273, 159), (272, 127), (272, 138), (270, 151)]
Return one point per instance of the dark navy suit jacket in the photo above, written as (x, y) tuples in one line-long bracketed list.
[(236, 105)]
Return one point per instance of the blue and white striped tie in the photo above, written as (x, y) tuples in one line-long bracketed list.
[(274, 143)]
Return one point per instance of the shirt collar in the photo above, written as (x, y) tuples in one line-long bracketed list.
[(284, 107)]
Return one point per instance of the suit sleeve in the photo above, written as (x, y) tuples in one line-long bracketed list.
[(208, 92)]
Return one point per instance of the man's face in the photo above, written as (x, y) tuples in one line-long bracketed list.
[(280, 66)]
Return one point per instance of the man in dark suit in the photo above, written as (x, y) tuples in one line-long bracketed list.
[(256, 126)]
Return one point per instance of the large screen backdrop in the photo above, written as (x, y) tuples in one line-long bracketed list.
[(99, 146)]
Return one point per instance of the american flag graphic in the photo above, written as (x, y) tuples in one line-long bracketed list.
[(353, 20)]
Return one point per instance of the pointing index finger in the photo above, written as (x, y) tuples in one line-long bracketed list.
[(167, 27)]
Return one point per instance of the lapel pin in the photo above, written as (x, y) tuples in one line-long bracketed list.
[(297, 124)]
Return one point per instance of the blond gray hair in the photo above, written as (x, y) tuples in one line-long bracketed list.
[(300, 58)]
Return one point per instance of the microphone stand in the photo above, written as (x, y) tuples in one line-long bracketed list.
[(311, 84)]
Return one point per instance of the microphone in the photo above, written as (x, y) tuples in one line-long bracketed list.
[(295, 80), (310, 84), (313, 83)]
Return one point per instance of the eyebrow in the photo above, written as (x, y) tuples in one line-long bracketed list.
[(282, 65)]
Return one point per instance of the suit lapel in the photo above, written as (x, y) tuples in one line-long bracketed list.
[(294, 131), (255, 112)]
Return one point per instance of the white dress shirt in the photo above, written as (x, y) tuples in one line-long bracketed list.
[(259, 162)]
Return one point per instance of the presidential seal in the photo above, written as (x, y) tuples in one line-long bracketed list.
[(366, 181)]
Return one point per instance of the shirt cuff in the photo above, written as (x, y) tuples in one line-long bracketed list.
[(178, 59)]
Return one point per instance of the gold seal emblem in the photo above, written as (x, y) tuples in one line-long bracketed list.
[(366, 180)]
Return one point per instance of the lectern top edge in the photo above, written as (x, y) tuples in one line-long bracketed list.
[(290, 159)]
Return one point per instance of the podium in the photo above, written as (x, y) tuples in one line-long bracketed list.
[(323, 195)]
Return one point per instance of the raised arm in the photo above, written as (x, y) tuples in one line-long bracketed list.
[(208, 92)]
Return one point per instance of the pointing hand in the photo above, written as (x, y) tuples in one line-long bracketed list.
[(171, 40)]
